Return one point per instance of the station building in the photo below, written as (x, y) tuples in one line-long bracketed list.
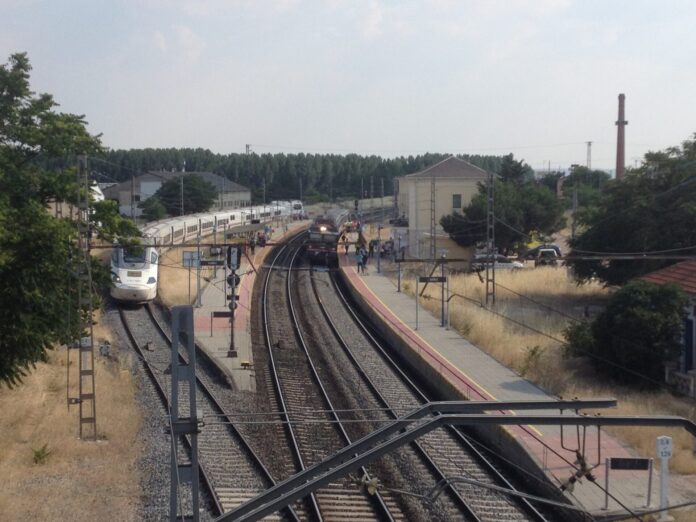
[(131, 193), (456, 183)]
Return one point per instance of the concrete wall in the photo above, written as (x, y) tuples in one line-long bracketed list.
[(414, 198)]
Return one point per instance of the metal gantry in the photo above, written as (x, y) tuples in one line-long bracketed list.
[(423, 420)]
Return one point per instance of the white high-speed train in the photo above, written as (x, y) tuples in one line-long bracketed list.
[(134, 269)]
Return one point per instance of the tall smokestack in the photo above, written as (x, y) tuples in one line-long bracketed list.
[(620, 139)]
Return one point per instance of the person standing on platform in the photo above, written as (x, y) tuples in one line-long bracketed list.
[(359, 258)]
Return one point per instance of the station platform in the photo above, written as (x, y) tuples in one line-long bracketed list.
[(477, 376), (213, 333)]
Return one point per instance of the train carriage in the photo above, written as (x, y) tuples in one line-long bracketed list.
[(134, 270)]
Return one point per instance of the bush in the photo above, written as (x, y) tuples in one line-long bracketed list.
[(40, 456), (635, 335)]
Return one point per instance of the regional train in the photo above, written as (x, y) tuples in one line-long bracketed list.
[(134, 268), (324, 234)]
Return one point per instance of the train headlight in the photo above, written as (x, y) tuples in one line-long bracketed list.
[(322, 228), (151, 281), (115, 278)]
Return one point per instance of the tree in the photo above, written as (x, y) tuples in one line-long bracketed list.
[(38, 297), (153, 209), (514, 171), (652, 209), (519, 211), (199, 195), (640, 330)]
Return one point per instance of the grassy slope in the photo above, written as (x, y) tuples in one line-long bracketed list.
[(79, 480)]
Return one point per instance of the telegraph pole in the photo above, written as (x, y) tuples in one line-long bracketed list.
[(490, 242), (381, 204), (86, 398), (432, 215), (182, 194), (132, 197), (589, 155)]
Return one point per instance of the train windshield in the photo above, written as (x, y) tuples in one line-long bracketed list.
[(134, 254)]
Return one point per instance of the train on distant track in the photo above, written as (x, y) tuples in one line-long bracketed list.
[(134, 271), (324, 234)]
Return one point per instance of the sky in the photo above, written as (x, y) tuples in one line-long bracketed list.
[(536, 78)]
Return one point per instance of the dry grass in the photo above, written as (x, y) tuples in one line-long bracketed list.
[(173, 287), (538, 355), (78, 480)]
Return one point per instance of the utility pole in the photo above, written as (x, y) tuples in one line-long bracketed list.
[(182, 194), (300, 179), (575, 209), (86, 398), (589, 155), (362, 195), (248, 148), (263, 181), (183, 373), (432, 215), (490, 242), (381, 204), (132, 197)]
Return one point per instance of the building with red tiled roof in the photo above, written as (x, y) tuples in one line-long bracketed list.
[(683, 275)]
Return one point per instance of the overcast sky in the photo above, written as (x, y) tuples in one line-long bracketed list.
[(537, 78)]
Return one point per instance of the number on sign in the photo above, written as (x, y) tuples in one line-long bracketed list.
[(664, 447)]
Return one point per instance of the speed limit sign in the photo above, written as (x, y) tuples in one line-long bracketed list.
[(664, 447)]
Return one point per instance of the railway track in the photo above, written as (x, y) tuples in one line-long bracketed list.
[(231, 471), (444, 453), (312, 430)]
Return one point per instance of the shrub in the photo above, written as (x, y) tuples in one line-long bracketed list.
[(40, 456), (635, 335)]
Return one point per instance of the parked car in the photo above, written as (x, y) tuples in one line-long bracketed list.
[(501, 263), (546, 257), (532, 252)]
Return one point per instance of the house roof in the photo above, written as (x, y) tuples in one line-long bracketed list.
[(451, 167), (682, 274), (221, 184)]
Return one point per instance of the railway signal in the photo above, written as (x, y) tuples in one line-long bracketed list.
[(233, 281), (233, 258)]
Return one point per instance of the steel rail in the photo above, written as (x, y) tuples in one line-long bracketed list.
[(211, 396), (439, 474), (285, 418), (165, 402), (208, 393), (463, 440), (377, 498)]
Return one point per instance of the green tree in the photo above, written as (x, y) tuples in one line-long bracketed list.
[(519, 210), (514, 171), (199, 195), (652, 209), (153, 209), (37, 294), (640, 330)]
